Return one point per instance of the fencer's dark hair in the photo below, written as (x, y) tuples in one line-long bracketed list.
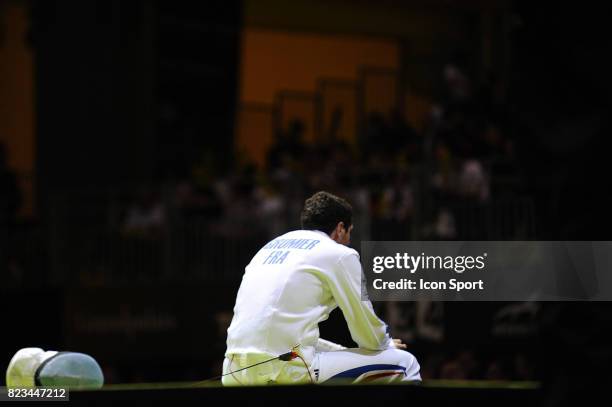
[(323, 211)]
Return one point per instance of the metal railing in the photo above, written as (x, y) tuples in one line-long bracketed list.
[(86, 241)]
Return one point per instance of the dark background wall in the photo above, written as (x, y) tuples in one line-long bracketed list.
[(108, 73), (133, 114)]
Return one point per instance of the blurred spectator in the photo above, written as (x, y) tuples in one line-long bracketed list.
[(458, 85), (289, 147), (146, 216), (192, 202), (271, 210), (444, 226), (473, 182), (375, 136), (444, 172), (397, 205)]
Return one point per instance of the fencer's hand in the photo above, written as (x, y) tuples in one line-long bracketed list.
[(399, 344)]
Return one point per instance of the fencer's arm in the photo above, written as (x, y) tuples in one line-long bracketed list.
[(323, 345), (367, 330)]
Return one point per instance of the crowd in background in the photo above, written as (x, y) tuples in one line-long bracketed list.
[(403, 184), (464, 158)]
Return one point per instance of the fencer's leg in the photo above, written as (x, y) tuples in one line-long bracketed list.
[(363, 366)]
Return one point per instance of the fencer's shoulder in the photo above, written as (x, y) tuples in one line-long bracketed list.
[(338, 252), (345, 251)]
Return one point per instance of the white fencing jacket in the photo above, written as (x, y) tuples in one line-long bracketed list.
[(291, 285)]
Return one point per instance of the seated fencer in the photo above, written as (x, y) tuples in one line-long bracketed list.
[(289, 287)]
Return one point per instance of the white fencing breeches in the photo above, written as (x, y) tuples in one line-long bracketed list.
[(365, 366), (344, 366)]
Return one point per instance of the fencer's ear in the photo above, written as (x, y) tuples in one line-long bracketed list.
[(340, 230)]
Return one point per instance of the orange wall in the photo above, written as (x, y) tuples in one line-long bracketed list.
[(276, 60), (17, 97)]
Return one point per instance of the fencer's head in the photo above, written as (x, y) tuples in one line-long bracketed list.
[(330, 214)]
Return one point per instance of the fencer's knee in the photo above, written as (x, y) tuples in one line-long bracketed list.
[(409, 361), (402, 355)]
